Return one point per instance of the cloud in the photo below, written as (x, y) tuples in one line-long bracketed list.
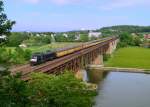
[(115, 4), (32, 1), (63, 2), (58, 2), (105, 5)]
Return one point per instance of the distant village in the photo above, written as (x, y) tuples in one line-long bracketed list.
[(91, 35), (77, 35)]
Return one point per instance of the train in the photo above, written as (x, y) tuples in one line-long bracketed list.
[(40, 57)]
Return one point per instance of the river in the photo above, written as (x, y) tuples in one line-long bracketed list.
[(118, 89)]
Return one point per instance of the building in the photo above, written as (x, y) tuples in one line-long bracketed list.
[(65, 35), (38, 35), (23, 45), (147, 36), (94, 34), (2, 38), (77, 37)]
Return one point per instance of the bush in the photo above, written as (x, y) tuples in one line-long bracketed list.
[(106, 57), (127, 39), (15, 39), (17, 56), (45, 91), (59, 91), (27, 54), (38, 40), (13, 92)]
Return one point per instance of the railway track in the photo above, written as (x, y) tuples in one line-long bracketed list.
[(45, 67)]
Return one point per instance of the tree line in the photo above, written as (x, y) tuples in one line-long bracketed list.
[(118, 29)]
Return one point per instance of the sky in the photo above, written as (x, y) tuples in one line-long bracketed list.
[(66, 15)]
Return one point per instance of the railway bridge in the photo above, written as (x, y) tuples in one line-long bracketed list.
[(74, 61)]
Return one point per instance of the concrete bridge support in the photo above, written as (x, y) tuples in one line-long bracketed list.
[(98, 60), (112, 47)]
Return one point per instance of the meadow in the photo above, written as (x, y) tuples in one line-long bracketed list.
[(46, 47), (52, 46), (130, 57)]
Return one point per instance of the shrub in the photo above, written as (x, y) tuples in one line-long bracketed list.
[(59, 91), (16, 56), (106, 57), (45, 91)]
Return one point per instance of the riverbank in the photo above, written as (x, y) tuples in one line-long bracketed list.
[(130, 57), (118, 69)]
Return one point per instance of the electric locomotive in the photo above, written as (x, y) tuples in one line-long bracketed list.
[(39, 58)]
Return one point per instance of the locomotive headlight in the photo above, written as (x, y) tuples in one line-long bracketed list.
[(34, 59)]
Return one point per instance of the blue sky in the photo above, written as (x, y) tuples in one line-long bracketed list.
[(65, 15)]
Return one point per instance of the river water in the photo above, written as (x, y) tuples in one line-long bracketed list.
[(117, 89)]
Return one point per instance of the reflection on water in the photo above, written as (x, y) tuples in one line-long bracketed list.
[(96, 76), (121, 89)]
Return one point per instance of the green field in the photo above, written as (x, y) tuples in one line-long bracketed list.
[(131, 57), (49, 46)]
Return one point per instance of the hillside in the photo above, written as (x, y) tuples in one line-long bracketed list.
[(124, 28)]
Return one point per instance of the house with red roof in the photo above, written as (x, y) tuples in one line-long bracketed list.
[(147, 36)]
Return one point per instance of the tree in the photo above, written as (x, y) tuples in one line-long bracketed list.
[(125, 40), (44, 91), (13, 91), (71, 37), (16, 38), (61, 38), (59, 91), (84, 38), (137, 41), (5, 24)]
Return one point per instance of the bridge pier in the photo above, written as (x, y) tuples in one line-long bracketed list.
[(112, 46), (98, 60), (79, 74)]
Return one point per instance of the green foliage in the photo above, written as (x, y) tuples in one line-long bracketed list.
[(137, 41), (16, 56), (71, 37), (84, 38), (16, 38), (27, 54), (45, 91), (13, 91), (124, 28), (4, 55), (61, 38), (127, 39), (5, 24), (60, 91), (106, 57), (37, 40)]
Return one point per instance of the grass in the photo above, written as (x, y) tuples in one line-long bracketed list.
[(131, 57), (48, 46)]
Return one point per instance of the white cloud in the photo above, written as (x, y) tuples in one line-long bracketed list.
[(63, 2), (59, 2), (105, 5), (113, 4), (32, 1)]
